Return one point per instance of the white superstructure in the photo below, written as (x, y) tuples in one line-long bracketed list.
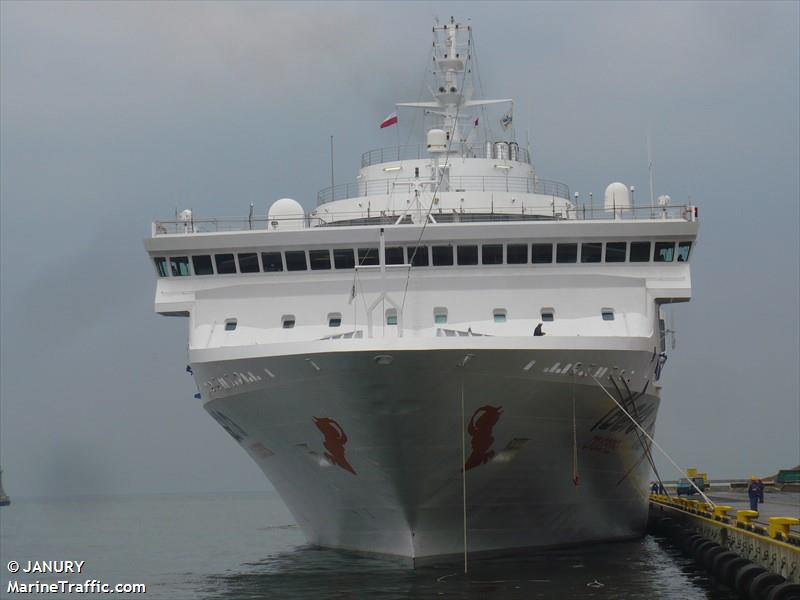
[(425, 357)]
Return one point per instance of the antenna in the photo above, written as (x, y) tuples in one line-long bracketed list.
[(650, 169), (332, 185)]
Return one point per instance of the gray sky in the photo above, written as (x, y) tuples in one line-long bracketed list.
[(113, 113)]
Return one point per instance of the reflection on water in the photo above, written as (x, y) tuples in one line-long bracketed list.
[(643, 569), (231, 546)]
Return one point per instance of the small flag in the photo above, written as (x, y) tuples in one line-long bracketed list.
[(506, 120), (389, 121)]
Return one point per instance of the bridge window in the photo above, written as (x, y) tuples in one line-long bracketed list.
[(225, 264), (566, 253), (391, 316), (230, 324), (548, 314), (367, 256), (499, 315), (541, 253), (394, 256), (683, 251), (492, 254), (202, 265), (591, 252), (442, 255), (467, 255), (320, 259), (440, 315), (517, 254), (418, 256), (616, 251), (640, 251), (272, 262), (248, 263), (334, 319), (607, 313), (287, 321), (343, 258), (665, 252), (161, 265), (179, 265), (295, 260)]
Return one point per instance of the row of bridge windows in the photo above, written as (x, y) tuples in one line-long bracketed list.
[(499, 315), (423, 256)]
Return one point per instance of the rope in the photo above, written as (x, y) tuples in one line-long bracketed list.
[(575, 477), (463, 472), (653, 442), (645, 447)]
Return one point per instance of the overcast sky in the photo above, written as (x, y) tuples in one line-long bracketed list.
[(112, 114)]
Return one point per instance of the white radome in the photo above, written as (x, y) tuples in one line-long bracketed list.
[(286, 213), (617, 197)]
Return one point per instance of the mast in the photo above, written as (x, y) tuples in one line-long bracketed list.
[(452, 74)]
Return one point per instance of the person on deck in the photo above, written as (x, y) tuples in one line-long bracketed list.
[(755, 491)]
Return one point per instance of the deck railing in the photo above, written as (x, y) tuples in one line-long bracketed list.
[(459, 183), (420, 151), (372, 217)]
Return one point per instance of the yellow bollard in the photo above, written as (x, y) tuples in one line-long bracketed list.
[(779, 526), (721, 511), (744, 517)]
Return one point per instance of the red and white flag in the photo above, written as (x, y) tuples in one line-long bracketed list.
[(390, 120)]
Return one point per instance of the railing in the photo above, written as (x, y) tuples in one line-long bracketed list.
[(420, 151), (463, 183), (478, 214)]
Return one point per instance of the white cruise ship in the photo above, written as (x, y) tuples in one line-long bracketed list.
[(434, 360)]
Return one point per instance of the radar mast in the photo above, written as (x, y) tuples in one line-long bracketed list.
[(452, 75)]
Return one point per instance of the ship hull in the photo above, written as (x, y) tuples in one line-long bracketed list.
[(370, 457)]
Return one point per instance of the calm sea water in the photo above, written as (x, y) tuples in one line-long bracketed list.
[(247, 546)]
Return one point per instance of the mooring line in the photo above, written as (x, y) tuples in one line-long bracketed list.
[(653, 442)]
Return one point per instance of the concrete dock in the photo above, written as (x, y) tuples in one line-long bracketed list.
[(736, 544)]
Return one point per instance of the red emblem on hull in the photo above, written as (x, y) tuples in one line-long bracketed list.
[(480, 428), (335, 439)]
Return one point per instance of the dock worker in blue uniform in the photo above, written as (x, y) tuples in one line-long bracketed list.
[(755, 491)]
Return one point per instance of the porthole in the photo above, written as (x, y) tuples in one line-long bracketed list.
[(440, 315), (499, 315), (334, 319), (230, 324), (608, 314), (287, 321), (548, 314), (391, 316)]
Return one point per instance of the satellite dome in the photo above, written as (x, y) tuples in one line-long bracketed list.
[(286, 214), (437, 140), (617, 197)]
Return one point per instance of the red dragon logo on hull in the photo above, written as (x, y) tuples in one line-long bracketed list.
[(335, 439), (480, 428)]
